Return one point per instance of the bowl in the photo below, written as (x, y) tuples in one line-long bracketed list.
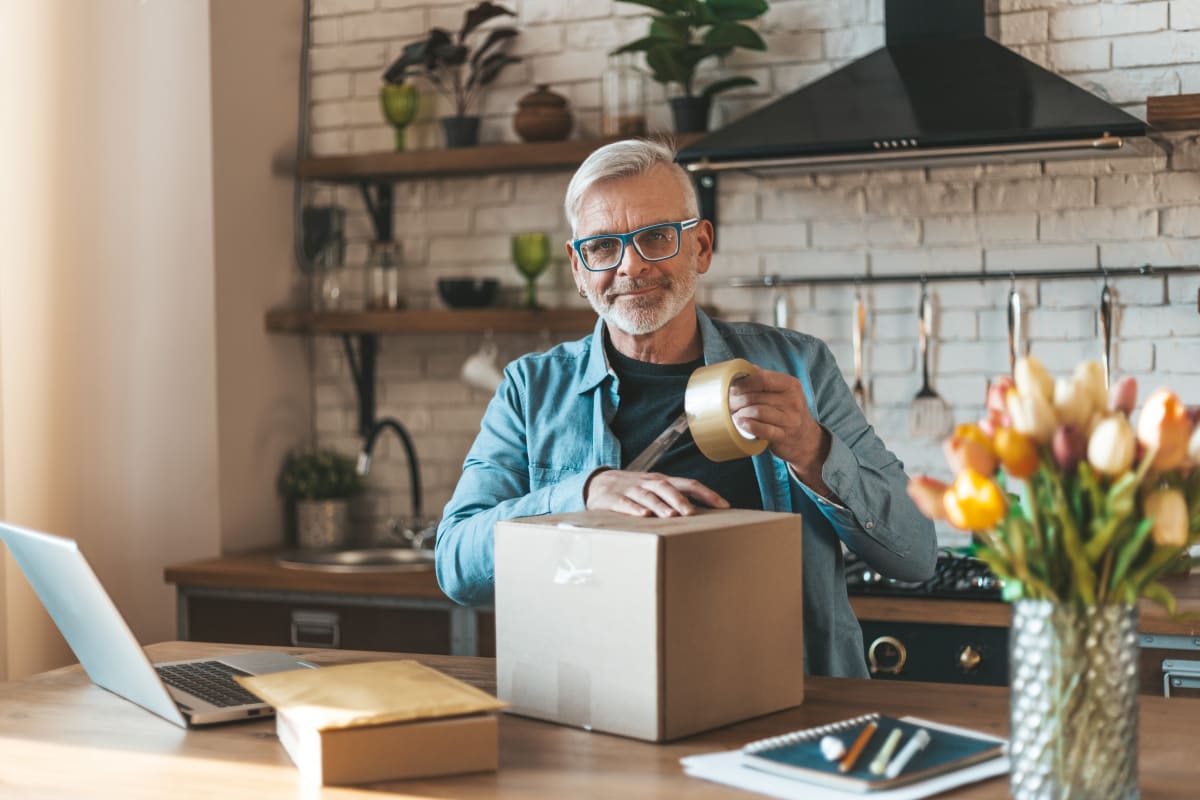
[(467, 292)]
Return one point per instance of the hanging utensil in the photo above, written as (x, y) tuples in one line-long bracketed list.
[(859, 390), (929, 416), (1106, 330), (1015, 348), (781, 310)]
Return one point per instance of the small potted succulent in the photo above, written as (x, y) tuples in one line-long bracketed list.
[(319, 484), (457, 71), (684, 33)]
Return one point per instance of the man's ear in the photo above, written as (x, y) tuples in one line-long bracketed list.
[(704, 245), (576, 269)]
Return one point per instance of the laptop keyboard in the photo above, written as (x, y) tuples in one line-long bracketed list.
[(208, 680)]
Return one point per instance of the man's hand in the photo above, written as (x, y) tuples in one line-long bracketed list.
[(771, 406), (646, 494)]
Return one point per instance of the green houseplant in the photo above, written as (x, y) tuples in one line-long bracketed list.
[(455, 69), (685, 33), (318, 483)]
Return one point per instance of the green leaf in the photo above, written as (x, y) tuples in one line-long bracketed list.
[(1129, 551), (489, 68), (637, 46), (738, 9), (670, 29), (731, 34), (667, 62), (1123, 494), (727, 84), (495, 36), (476, 16), (1161, 595)]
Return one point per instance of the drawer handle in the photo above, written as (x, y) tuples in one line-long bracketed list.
[(316, 629), (886, 669)]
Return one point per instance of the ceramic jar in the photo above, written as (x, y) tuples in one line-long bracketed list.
[(542, 116)]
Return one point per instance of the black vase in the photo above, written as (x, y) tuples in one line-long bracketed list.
[(461, 131), (690, 113)]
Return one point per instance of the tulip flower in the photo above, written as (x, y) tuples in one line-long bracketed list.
[(1032, 378), (974, 502), (962, 452), (1193, 450), (1074, 403), (1069, 447), (1164, 428), (1017, 452), (1032, 414), (1110, 447), (1169, 512), (1089, 379), (927, 494), (997, 409), (1123, 395)]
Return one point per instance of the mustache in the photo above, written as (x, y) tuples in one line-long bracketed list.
[(635, 285)]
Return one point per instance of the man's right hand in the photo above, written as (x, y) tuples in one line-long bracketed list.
[(648, 494)]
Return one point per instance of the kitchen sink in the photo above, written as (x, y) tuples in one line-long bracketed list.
[(371, 559)]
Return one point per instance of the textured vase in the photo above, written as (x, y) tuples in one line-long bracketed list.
[(322, 524), (1074, 714)]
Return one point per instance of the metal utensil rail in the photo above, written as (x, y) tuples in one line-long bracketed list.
[(1146, 271)]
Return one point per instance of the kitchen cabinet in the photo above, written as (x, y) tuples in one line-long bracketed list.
[(250, 599)]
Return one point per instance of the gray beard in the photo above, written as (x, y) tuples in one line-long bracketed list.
[(638, 317)]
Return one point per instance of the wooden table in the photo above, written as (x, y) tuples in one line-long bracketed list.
[(62, 737)]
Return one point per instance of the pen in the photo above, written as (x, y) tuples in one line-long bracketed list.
[(880, 762), (857, 748), (915, 745)]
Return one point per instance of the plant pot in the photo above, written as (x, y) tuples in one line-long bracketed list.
[(691, 113), (1074, 702), (322, 524), (461, 131), (542, 116)]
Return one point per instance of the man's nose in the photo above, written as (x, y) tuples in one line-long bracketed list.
[(632, 264)]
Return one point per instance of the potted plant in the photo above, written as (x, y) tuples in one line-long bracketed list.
[(455, 70), (685, 33), (319, 483)]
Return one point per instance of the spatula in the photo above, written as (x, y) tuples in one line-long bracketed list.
[(859, 390), (929, 417)]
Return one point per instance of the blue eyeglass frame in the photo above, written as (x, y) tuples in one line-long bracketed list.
[(627, 239)]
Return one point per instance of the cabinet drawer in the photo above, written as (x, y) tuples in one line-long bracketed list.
[(240, 621)]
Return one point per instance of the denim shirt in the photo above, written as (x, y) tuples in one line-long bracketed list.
[(546, 431)]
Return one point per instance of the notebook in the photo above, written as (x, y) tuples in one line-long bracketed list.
[(798, 755), (185, 692)]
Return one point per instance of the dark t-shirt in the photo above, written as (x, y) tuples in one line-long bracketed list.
[(651, 398)]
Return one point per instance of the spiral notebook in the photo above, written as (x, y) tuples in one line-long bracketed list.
[(798, 755)]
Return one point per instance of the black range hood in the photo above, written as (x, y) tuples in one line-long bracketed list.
[(939, 91)]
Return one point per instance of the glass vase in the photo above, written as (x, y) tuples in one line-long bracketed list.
[(1074, 707)]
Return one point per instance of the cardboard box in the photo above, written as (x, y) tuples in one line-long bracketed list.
[(649, 628), (417, 749)]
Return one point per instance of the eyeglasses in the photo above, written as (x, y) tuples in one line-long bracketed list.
[(653, 243)]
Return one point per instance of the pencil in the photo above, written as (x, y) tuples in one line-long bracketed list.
[(857, 748)]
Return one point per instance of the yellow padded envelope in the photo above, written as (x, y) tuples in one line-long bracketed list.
[(371, 693)]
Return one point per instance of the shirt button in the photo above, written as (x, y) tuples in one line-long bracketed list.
[(869, 525)]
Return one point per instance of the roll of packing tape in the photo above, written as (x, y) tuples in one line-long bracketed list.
[(709, 418)]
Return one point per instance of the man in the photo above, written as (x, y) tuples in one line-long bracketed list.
[(564, 423)]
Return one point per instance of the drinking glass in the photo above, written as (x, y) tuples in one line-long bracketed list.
[(399, 104), (531, 254)]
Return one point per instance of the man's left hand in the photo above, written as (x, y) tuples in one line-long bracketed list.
[(771, 406)]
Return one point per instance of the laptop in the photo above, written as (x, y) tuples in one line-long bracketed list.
[(198, 691)]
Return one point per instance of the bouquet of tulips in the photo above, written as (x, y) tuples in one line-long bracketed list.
[(1107, 508)]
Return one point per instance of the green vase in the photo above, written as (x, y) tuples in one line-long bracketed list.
[(399, 104)]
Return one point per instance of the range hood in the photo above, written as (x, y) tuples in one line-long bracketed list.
[(939, 91)]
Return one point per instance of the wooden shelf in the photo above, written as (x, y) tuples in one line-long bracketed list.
[(481, 160), (554, 320), (1174, 112)]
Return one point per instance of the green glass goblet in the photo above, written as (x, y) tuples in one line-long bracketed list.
[(399, 104), (531, 254)]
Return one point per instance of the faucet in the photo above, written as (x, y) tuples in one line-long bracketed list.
[(414, 472)]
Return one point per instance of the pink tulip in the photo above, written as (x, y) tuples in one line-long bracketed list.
[(1123, 395), (1069, 447), (965, 452), (927, 494), (997, 410), (1164, 428)]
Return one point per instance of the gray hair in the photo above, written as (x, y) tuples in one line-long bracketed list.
[(625, 159)]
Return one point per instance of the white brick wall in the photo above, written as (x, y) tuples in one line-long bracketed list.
[(994, 218)]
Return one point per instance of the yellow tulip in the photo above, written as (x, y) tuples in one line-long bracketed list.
[(1017, 453), (1032, 378), (1163, 428), (927, 494), (1031, 414), (964, 452), (1074, 403), (1111, 446), (974, 502), (1169, 512), (1089, 379)]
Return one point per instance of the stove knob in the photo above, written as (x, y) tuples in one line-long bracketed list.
[(969, 658), (886, 655)]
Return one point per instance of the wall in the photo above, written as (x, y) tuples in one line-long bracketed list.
[(1064, 215), (107, 341)]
